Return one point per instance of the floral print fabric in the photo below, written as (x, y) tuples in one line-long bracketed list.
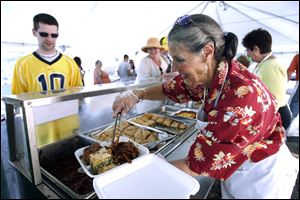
[(243, 125)]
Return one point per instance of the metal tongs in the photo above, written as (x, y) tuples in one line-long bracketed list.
[(117, 127)]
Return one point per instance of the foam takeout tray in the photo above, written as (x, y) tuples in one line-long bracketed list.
[(148, 177), (87, 168)]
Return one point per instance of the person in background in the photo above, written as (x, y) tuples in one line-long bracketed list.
[(131, 62), (258, 44), (46, 69), (100, 76), (243, 60), (241, 140), (294, 98), (82, 72), (153, 65), (165, 53), (124, 70)]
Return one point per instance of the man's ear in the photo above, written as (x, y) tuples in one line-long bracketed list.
[(256, 50), (208, 51), (34, 32)]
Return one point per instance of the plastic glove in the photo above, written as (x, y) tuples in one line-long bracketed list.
[(200, 125), (169, 76), (124, 102)]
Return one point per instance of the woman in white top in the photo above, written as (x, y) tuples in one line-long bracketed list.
[(152, 66)]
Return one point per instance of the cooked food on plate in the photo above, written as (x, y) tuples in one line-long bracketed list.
[(102, 159)]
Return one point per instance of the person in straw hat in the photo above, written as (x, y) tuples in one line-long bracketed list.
[(153, 65)]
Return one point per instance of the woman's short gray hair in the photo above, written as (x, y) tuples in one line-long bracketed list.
[(196, 33)]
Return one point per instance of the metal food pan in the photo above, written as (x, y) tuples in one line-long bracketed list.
[(185, 110), (165, 110), (158, 133), (60, 167), (181, 120)]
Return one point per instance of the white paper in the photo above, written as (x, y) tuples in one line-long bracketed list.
[(55, 111)]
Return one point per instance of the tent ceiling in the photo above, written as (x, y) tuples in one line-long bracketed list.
[(123, 27)]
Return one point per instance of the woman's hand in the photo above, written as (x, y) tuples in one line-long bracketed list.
[(124, 102), (181, 164)]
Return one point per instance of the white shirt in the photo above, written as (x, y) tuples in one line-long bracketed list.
[(149, 70)]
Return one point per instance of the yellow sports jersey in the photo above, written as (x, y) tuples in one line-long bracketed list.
[(56, 130), (34, 74)]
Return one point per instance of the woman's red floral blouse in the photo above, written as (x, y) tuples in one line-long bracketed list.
[(244, 124)]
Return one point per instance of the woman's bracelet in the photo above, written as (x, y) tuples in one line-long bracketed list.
[(136, 92)]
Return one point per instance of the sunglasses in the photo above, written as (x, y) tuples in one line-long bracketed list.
[(187, 19), (44, 34), (184, 20)]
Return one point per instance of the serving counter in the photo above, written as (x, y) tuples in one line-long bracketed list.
[(50, 166)]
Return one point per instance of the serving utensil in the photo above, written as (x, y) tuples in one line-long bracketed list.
[(117, 127), (153, 144)]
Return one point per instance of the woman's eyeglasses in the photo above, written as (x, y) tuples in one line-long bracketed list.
[(44, 34)]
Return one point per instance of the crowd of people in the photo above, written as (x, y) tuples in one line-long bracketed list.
[(246, 114)]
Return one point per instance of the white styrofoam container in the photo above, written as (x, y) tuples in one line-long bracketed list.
[(87, 168), (148, 177)]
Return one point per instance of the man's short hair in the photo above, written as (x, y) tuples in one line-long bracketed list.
[(45, 19), (126, 56), (98, 62), (258, 37)]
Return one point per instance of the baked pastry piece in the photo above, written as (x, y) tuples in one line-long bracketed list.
[(150, 138), (124, 124), (167, 122), (130, 130), (182, 126), (174, 124), (145, 134), (147, 116), (149, 123), (154, 117), (101, 161), (138, 137), (139, 121), (160, 120), (104, 136)]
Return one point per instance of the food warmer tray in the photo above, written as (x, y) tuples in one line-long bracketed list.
[(91, 135), (59, 168)]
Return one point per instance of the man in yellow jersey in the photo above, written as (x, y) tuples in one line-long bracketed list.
[(47, 69)]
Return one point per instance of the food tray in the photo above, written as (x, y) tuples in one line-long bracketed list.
[(148, 177), (87, 168), (186, 113), (60, 167), (158, 122), (147, 134)]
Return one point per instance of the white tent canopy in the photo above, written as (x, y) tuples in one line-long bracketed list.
[(125, 26), (281, 19), (108, 30)]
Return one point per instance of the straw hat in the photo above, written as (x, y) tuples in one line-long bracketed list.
[(152, 43)]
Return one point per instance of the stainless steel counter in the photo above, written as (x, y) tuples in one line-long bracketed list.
[(94, 111)]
